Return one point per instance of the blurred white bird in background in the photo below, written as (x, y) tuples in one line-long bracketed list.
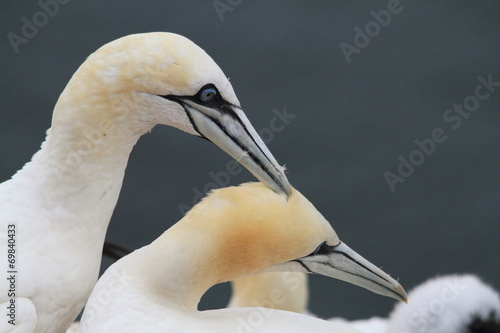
[(448, 304)]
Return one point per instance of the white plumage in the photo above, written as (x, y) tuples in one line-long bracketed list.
[(232, 233), (61, 202), (447, 304)]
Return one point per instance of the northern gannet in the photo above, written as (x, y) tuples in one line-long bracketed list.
[(234, 232), (61, 202)]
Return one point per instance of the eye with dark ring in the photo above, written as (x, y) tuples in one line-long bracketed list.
[(208, 95)]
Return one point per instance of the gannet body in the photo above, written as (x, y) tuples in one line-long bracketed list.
[(372, 325), (59, 204), (74, 328), (234, 232)]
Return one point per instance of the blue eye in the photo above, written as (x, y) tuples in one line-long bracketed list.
[(208, 95)]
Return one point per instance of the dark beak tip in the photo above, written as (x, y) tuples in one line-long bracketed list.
[(402, 294)]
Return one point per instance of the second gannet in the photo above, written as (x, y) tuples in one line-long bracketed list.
[(55, 211), (234, 232)]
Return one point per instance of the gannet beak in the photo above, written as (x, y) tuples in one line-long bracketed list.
[(227, 126), (342, 263)]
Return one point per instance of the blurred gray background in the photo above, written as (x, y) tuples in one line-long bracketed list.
[(352, 122)]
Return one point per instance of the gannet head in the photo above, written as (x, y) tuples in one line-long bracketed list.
[(142, 80), (245, 230)]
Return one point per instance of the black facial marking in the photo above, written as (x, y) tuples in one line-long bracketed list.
[(217, 102), (304, 265), (321, 249), (220, 104)]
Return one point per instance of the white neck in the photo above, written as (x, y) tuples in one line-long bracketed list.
[(64, 198), (81, 164), (178, 277)]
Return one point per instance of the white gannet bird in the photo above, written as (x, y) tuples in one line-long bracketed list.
[(234, 232), (61, 202)]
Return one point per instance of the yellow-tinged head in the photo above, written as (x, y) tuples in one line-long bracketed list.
[(156, 63), (249, 229), (252, 228), (133, 83)]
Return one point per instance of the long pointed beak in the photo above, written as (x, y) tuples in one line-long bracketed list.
[(342, 263), (229, 128)]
